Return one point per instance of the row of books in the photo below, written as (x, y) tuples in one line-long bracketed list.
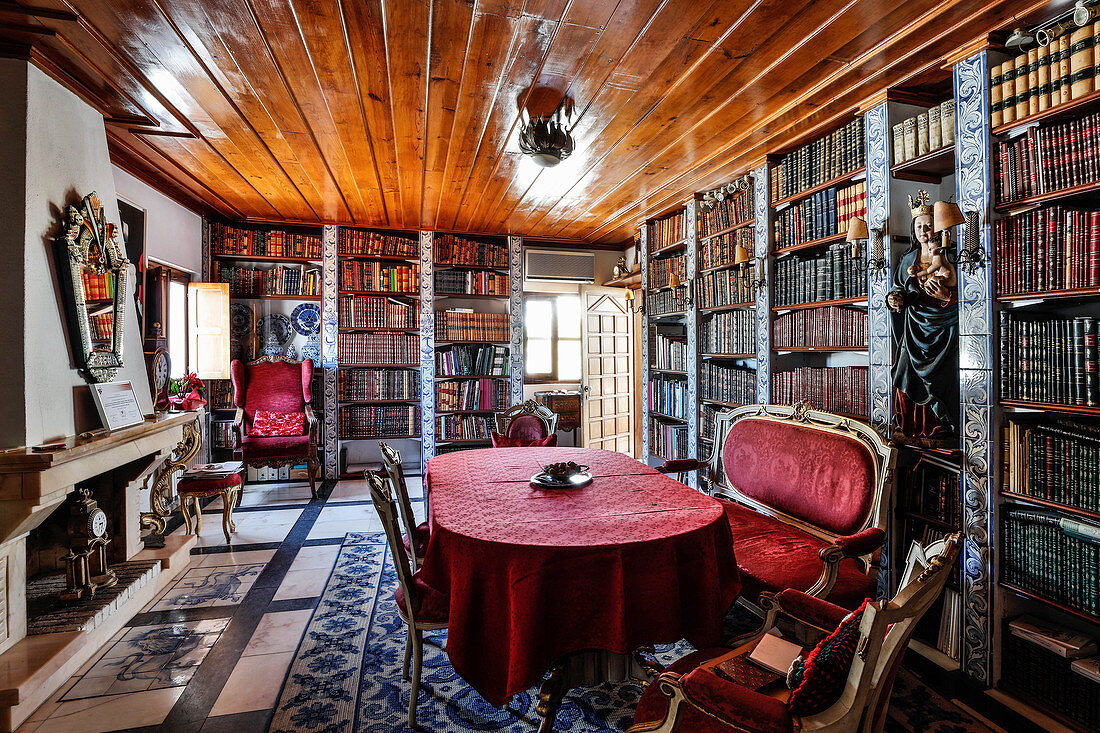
[(379, 421), (1048, 359), (470, 282), (464, 427), (732, 384), (832, 275), (102, 326), (669, 352), (708, 423), (377, 311), (98, 287), (1044, 77), (821, 327), (733, 209), (661, 270), (925, 133), (357, 242), (726, 287), (1052, 248), (1058, 462), (729, 332), (220, 395), (825, 214), (384, 349), (379, 276), (460, 324), (668, 440), (837, 154), (833, 389), (230, 240), (1052, 556), (463, 360), (221, 434), (1069, 686), (1049, 158), (934, 493), (667, 395), (667, 231), (378, 384), (454, 250), (721, 250), (667, 301), (279, 280), (472, 394)]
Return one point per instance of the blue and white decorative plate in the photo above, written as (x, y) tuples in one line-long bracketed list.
[(306, 318), (241, 318), (277, 325)]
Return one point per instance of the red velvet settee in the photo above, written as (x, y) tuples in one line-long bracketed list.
[(807, 495)]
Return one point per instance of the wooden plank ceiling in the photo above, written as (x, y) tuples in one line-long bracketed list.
[(405, 113)]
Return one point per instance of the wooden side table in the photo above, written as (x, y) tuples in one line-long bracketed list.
[(193, 489)]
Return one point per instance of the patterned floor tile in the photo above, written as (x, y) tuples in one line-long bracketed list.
[(204, 587)]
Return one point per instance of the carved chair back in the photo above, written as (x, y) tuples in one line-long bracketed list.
[(825, 474), (527, 421), (381, 495), (273, 383), (391, 461)]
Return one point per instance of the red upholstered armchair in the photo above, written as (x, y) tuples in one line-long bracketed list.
[(807, 495), (281, 385), (529, 421)]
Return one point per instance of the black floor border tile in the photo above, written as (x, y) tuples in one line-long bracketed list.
[(293, 604), (219, 549), (250, 722), (180, 615), (323, 541)]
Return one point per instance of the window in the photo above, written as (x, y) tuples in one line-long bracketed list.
[(552, 338), (166, 313)]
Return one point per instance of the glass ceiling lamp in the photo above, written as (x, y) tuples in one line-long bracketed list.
[(546, 138)]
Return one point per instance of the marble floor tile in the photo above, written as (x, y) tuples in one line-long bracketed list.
[(322, 557), (252, 527), (356, 490), (254, 684), (204, 587), (336, 521), (108, 713), (234, 557), (294, 493), (301, 584), (278, 632)]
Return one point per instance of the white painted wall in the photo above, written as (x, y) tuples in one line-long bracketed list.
[(63, 147), (173, 234)]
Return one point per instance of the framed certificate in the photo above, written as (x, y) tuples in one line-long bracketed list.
[(117, 404)]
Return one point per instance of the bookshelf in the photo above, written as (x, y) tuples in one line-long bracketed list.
[(275, 280), (472, 339), (377, 342)]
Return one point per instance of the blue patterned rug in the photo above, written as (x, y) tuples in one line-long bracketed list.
[(346, 675)]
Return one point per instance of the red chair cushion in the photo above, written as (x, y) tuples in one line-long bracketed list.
[(267, 423), (420, 535), (773, 556), (526, 427), (279, 386), (818, 682), (196, 483), (825, 479), (506, 441), (258, 447), (429, 605)]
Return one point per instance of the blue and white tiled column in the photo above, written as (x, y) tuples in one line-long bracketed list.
[(330, 285), (515, 317), (761, 230), (973, 169), (427, 350), (643, 260), (690, 258)]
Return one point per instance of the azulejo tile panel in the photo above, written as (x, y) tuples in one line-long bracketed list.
[(204, 587), (762, 235)]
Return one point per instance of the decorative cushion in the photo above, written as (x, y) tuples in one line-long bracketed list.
[(818, 681), (207, 484), (429, 605), (259, 447), (420, 535), (823, 478), (506, 441), (526, 427), (773, 556), (268, 424)]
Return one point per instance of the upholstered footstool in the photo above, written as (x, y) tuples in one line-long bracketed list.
[(195, 488)]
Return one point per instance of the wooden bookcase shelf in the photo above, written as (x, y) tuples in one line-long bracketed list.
[(727, 230), (1058, 112), (379, 402), (483, 268), (265, 258), (1073, 192), (730, 307), (468, 441), (307, 298), (631, 280), (379, 258), (364, 329), (861, 300), (1053, 604), (730, 405), (670, 249), (663, 416), (451, 377), (673, 372), (474, 296), (1044, 295), (1051, 407), (384, 293), (838, 181), (367, 365), (813, 244), (1066, 508), (728, 356), (821, 349), (471, 343), (931, 167)]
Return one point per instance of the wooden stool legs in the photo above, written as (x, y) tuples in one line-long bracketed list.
[(231, 499)]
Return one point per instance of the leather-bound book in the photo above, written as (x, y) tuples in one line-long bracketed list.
[(947, 122), (1064, 69), (1081, 62), (922, 133), (935, 132), (1020, 83), (1044, 78), (910, 138), (1096, 50), (1008, 92), (1033, 81), (899, 143), (996, 97)]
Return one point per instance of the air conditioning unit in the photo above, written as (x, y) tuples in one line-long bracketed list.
[(559, 266)]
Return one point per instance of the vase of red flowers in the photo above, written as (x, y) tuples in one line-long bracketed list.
[(186, 392)]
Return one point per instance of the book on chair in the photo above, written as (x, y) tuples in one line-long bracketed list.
[(774, 654)]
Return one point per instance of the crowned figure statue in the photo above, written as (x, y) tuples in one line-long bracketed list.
[(925, 305)]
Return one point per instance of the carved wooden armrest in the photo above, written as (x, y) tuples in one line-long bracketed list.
[(237, 427), (311, 422), (845, 547), (681, 465)]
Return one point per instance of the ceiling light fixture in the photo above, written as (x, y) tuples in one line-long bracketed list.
[(546, 138)]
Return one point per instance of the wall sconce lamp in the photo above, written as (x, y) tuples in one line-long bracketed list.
[(631, 302), (946, 214), (744, 261), (857, 232)]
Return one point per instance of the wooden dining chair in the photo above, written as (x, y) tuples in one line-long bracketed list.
[(420, 606), (416, 535), (528, 421)]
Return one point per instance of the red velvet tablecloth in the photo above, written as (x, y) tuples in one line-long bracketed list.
[(633, 558)]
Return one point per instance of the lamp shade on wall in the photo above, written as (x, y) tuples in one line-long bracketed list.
[(208, 330), (946, 215), (857, 229)]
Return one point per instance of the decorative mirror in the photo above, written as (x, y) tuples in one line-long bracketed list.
[(95, 281)]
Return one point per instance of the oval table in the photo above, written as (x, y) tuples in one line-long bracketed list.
[(635, 558)]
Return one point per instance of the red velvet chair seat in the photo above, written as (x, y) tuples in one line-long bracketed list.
[(208, 484), (753, 711), (420, 536), (258, 447), (773, 556), (429, 605)]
